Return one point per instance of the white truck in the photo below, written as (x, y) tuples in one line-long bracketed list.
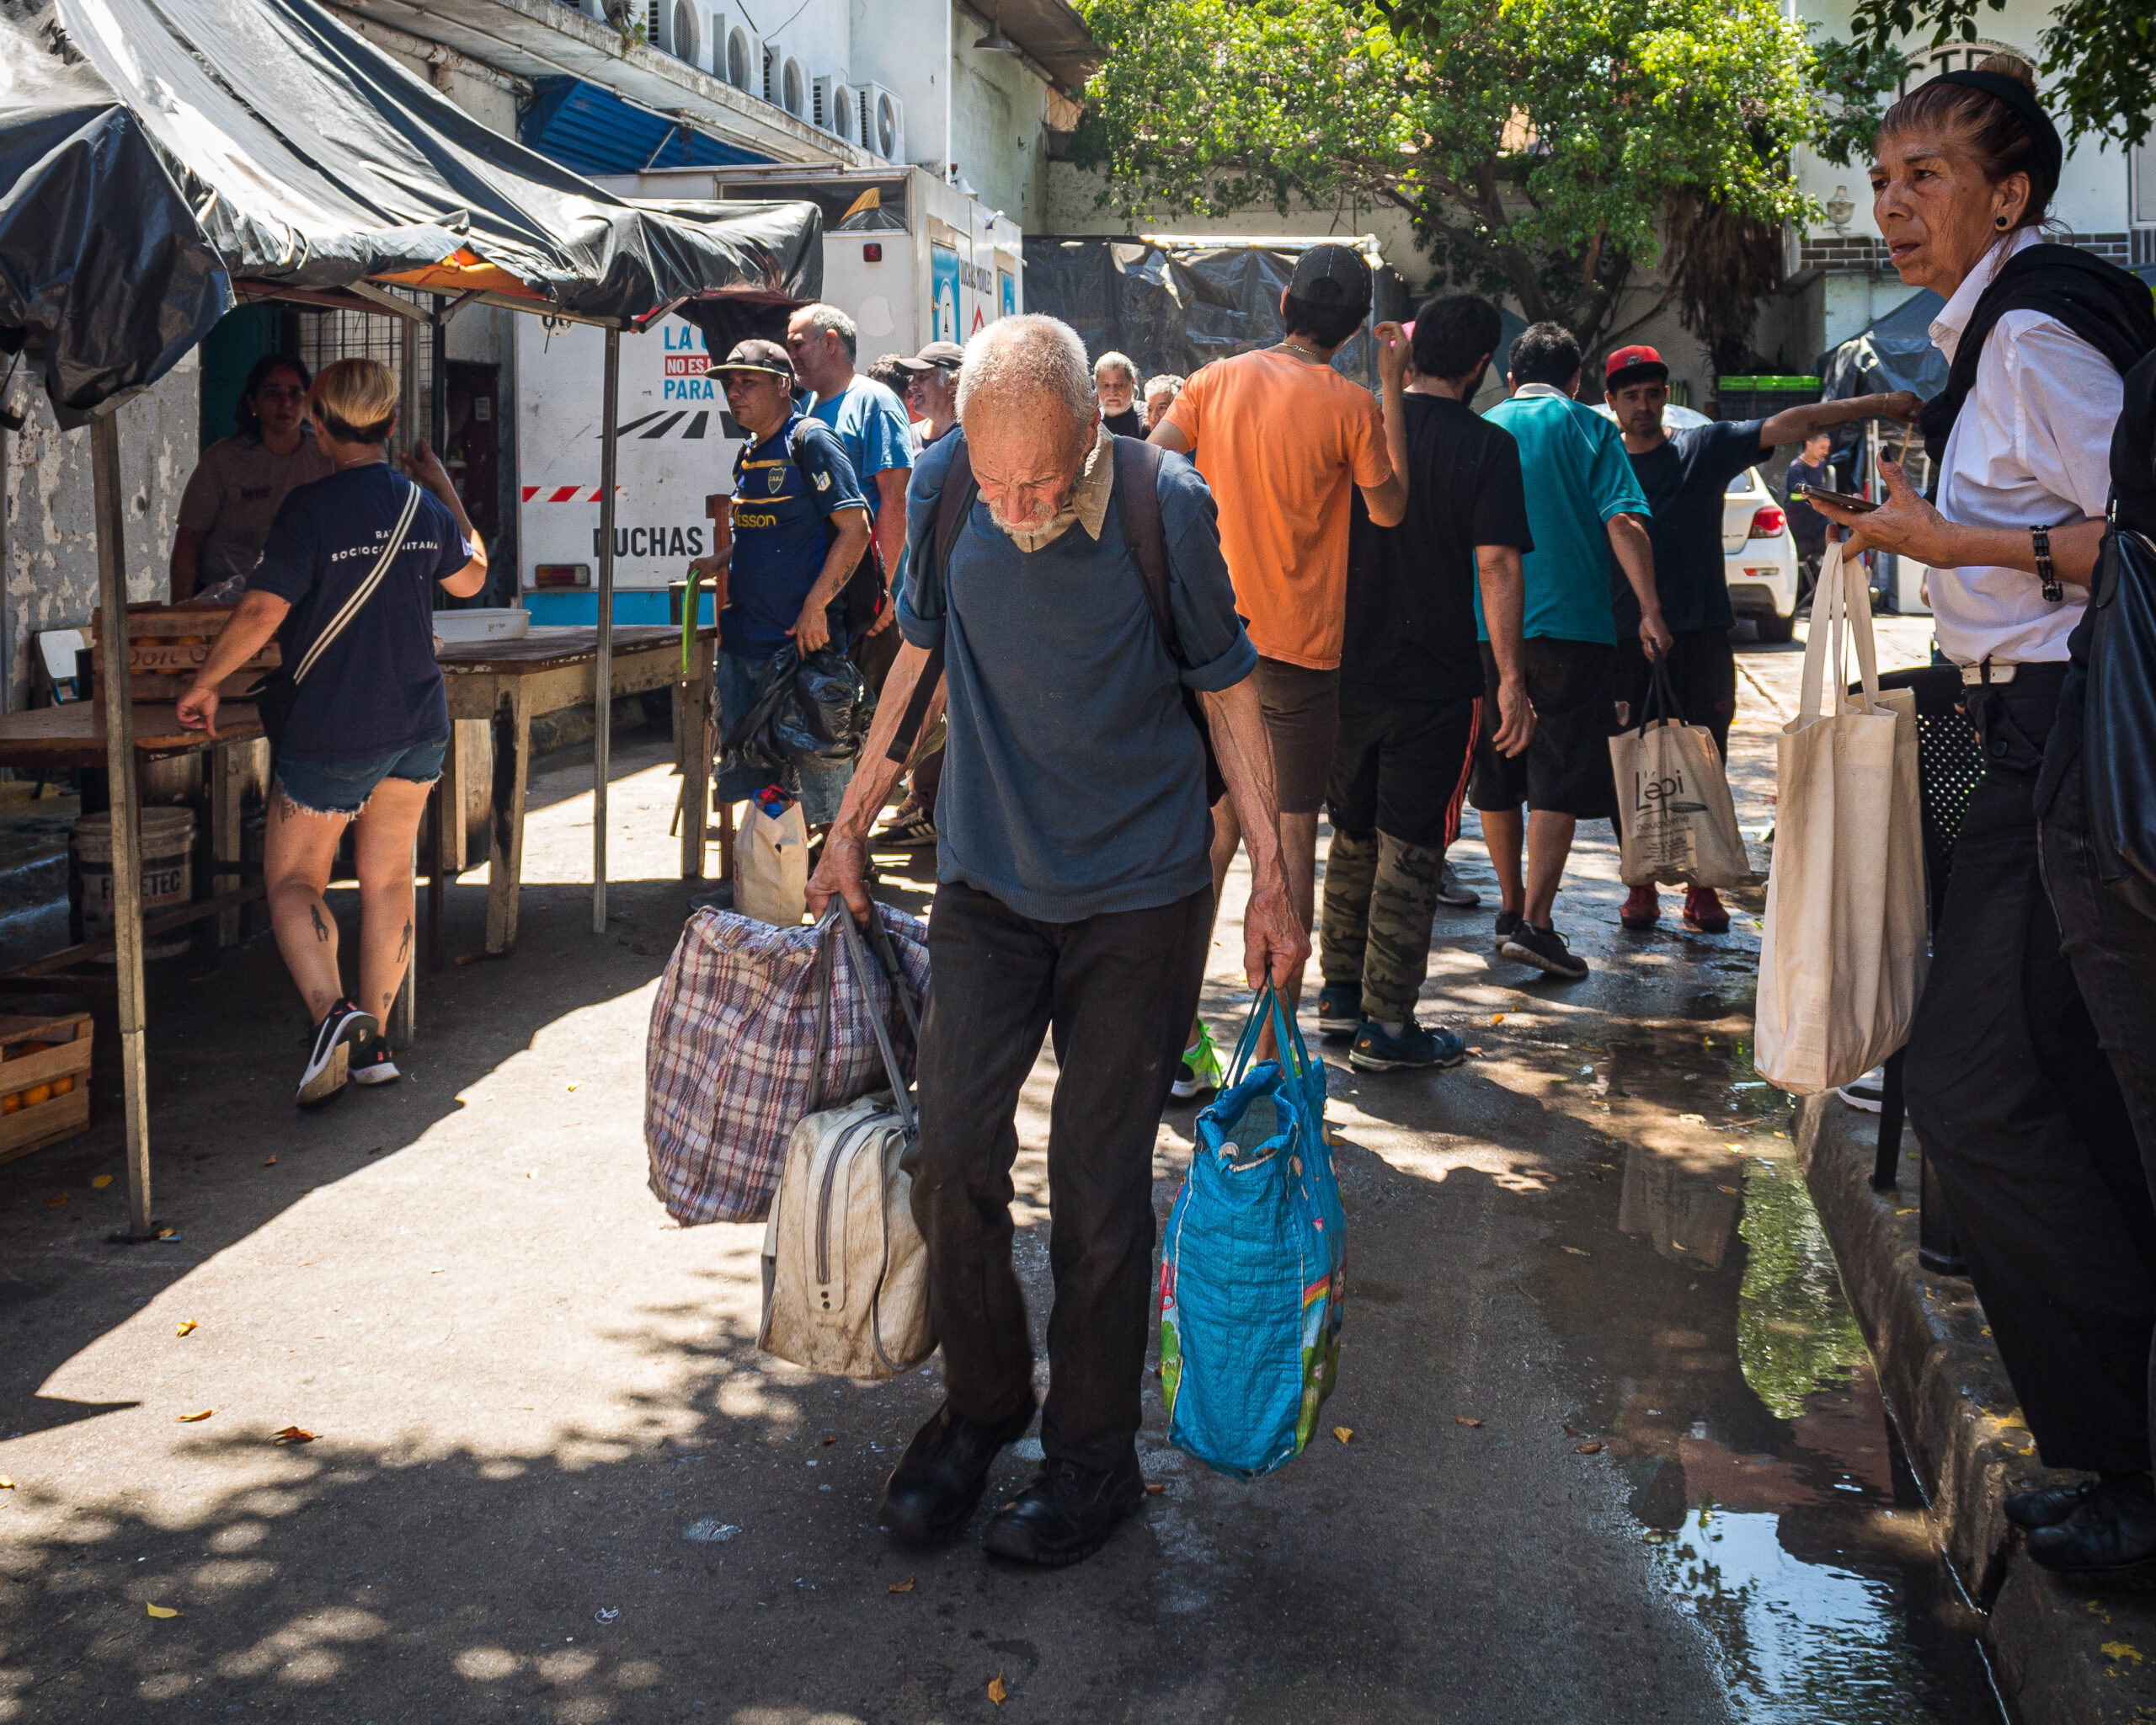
[(909, 259)]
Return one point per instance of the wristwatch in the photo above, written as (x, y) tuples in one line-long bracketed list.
[(2053, 592)]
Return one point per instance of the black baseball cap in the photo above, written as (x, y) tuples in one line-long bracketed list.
[(937, 356), (758, 356), (1332, 276)]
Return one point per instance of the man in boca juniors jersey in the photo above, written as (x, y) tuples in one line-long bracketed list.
[(800, 526)]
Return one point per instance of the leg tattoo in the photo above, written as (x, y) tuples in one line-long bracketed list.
[(321, 928), (404, 946)]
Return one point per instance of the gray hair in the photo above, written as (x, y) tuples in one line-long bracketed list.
[(821, 318), (1164, 383), (1025, 357), (1113, 361)]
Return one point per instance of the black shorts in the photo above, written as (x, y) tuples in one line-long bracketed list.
[(1566, 770), (1702, 677), (1401, 767), (1302, 716)]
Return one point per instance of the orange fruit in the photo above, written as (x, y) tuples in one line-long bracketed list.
[(35, 1094)]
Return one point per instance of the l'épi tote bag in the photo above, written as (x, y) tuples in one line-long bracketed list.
[(1844, 956), (1677, 821)]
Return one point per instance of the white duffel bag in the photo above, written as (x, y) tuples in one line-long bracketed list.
[(845, 1271)]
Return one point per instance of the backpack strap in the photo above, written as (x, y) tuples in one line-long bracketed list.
[(954, 502), (1137, 510)]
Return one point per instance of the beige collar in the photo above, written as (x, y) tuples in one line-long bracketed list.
[(1087, 506)]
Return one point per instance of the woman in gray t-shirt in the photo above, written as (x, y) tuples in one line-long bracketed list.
[(232, 496)]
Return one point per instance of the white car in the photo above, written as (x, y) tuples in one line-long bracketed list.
[(1759, 554)]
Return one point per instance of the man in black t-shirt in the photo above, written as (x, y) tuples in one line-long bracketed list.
[(1685, 474), (1412, 687)]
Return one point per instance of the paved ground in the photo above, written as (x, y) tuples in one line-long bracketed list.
[(1615, 1455)]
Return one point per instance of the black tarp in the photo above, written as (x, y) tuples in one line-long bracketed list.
[(156, 153), (1890, 353), (1174, 308)]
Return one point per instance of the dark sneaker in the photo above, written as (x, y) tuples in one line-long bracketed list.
[(1340, 1008), (941, 1476), (1704, 912), (1642, 908), (2114, 1527), (329, 1055), (1377, 1050), (1507, 920), (371, 1064), (911, 829), (2031, 1510), (1454, 891), (1066, 1514), (1545, 948)]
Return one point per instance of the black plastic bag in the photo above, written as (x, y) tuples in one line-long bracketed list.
[(813, 712), (2118, 748)]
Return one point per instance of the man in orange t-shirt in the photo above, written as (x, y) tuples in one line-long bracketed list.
[(1283, 439)]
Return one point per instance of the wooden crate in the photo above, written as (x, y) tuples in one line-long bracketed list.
[(25, 1067), (168, 643)]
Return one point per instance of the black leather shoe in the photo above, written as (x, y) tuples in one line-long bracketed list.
[(2031, 1510), (2115, 1527), (1066, 1514), (941, 1476)]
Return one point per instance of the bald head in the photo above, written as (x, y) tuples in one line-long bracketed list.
[(1026, 401)]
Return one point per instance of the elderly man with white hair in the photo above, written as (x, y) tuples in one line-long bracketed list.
[(1074, 894)]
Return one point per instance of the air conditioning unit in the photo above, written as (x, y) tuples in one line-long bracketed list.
[(737, 53), (673, 28), (882, 123), (793, 89), (837, 108), (768, 77)]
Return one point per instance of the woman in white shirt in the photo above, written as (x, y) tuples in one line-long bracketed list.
[(2008, 1085)]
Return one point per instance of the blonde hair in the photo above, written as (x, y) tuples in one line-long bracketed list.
[(355, 400)]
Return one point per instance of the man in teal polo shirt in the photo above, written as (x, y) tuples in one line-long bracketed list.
[(1583, 506)]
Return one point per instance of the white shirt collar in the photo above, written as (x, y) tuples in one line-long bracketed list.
[(1954, 316), (1529, 389)]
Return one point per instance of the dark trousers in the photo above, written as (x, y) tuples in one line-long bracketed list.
[(1702, 676), (2112, 948), (2014, 1101), (1119, 991)]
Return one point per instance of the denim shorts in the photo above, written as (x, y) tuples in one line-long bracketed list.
[(342, 787), (821, 788)]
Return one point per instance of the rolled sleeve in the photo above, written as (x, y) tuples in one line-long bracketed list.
[(1218, 650), (1616, 488)]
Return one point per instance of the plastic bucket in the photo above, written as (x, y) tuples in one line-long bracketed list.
[(167, 854)]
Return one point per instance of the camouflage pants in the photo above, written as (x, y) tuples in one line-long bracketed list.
[(1380, 894)]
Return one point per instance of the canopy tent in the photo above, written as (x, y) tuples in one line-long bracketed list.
[(1890, 353), (161, 160)]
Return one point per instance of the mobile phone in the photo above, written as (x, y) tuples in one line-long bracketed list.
[(1845, 499)]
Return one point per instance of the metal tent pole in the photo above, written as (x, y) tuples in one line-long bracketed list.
[(118, 715), (602, 672)]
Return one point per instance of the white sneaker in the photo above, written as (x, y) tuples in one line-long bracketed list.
[(329, 1054), (1868, 1092)]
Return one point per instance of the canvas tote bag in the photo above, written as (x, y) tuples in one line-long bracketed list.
[(1843, 958), (1676, 819), (770, 866)]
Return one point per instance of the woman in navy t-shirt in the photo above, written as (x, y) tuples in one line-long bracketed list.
[(370, 723)]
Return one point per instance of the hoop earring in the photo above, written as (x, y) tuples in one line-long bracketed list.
[(1998, 222)]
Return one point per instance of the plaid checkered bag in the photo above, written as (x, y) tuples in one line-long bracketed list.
[(731, 1064)]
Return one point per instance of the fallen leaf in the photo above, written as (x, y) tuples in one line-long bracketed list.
[(1462, 1420), (1730, 1190), (164, 1234), (1588, 1450), (830, 1437), (162, 1611), (1498, 1019), (531, 1173), (55, 1203), (190, 1418), (1576, 1252), (998, 1691), (102, 1181), (1692, 1119), (7, 1485), (272, 1163), (1569, 1432), (1343, 1432), (294, 1434), (186, 1326), (572, 1085), (902, 1587), (1155, 1489)]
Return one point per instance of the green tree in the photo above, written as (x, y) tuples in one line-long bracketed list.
[(1543, 148), (2099, 55)]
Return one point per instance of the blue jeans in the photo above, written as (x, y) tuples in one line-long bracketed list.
[(342, 787), (820, 788)]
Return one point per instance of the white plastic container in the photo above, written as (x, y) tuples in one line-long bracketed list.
[(489, 622), (168, 852)]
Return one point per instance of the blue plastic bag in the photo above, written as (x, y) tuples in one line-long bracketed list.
[(1251, 1284)]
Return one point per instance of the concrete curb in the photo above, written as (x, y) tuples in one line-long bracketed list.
[(2066, 1652)]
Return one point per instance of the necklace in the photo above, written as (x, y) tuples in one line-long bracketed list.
[(1290, 345)]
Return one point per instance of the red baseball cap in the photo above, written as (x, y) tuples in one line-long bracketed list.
[(1633, 365)]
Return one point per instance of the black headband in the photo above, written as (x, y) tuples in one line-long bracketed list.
[(2051, 153)]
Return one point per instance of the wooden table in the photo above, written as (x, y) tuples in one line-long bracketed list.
[(506, 682), (73, 735)]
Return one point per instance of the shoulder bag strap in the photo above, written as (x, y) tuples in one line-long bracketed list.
[(1138, 508), (954, 502), (365, 592)]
